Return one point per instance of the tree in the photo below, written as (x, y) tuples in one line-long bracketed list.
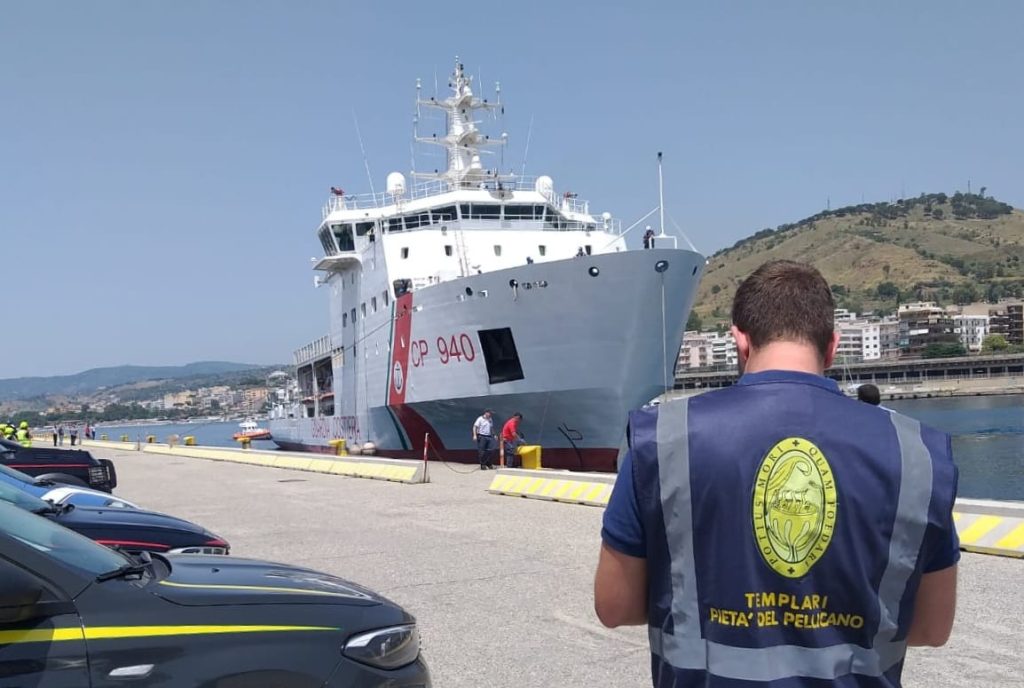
[(938, 214), (994, 342), (944, 350), (839, 290), (887, 291), (964, 294), (693, 323)]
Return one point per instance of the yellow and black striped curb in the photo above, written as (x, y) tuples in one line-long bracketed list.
[(593, 489), (395, 470), (990, 527)]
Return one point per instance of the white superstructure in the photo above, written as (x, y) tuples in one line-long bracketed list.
[(469, 288)]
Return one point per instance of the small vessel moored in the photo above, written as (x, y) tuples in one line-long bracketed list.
[(250, 430)]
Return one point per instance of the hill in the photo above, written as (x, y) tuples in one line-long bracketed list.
[(951, 249), (89, 381)]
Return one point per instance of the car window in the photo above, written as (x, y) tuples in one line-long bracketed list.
[(17, 475), (74, 550), (20, 498)]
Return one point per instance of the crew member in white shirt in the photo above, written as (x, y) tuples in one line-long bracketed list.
[(483, 435)]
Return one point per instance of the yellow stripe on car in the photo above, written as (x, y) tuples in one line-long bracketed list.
[(52, 635)]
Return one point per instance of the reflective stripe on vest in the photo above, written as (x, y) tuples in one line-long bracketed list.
[(686, 649)]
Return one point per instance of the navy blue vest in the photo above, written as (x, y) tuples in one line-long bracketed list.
[(787, 528)]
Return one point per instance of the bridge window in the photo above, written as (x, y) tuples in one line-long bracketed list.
[(364, 228), (482, 211), (395, 224), (417, 220), (445, 214), (524, 212)]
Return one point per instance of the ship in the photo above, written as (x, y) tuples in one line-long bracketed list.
[(472, 288)]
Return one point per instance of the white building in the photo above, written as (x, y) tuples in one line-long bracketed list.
[(696, 350), (868, 340), (971, 329), (707, 350), (843, 315)]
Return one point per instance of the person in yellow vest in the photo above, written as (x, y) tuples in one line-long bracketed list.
[(5, 431), (24, 436), (9, 431)]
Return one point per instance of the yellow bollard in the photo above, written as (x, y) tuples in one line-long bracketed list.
[(339, 447), (245, 442), (190, 441), (104, 436), (150, 439), (124, 438)]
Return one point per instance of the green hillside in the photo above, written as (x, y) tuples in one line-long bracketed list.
[(951, 249)]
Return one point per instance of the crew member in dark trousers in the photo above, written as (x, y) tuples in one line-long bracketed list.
[(74, 434), (60, 435), (483, 435), (511, 438), (55, 435)]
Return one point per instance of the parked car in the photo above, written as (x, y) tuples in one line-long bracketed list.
[(132, 530), (69, 466), (61, 494), (77, 615)]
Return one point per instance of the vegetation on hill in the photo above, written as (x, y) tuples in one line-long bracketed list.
[(96, 378), (935, 247)]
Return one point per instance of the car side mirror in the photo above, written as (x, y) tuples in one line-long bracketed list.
[(19, 593)]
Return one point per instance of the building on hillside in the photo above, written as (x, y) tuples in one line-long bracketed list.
[(253, 399), (1007, 319), (843, 315), (971, 329), (922, 324), (868, 340), (851, 341), (706, 350), (695, 351)]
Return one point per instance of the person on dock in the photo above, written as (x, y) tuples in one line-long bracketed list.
[(511, 439), (24, 435), (55, 435), (74, 434), (776, 532), (60, 434), (483, 436)]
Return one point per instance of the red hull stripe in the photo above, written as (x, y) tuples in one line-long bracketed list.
[(401, 342), (416, 426)]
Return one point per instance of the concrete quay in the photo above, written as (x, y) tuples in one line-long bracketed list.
[(501, 587)]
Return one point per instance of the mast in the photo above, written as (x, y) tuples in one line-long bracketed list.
[(661, 196), (463, 142)]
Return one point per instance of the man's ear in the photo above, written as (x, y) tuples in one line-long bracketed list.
[(833, 346), (742, 344)]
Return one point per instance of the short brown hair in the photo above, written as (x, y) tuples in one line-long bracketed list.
[(785, 301)]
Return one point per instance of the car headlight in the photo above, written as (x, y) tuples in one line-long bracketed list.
[(386, 648)]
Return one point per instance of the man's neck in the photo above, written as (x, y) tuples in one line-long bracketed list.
[(792, 356)]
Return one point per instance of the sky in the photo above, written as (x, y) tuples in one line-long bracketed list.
[(163, 164)]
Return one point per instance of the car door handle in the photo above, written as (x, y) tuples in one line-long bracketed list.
[(131, 672)]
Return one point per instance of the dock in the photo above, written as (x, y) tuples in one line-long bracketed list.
[(501, 587)]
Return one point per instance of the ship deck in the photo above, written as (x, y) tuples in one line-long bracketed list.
[(501, 601)]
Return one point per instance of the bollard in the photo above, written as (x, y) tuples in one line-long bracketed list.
[(104, 437), (245, 442), (339, 446), (190, 441), (150, 439), (124, 438)]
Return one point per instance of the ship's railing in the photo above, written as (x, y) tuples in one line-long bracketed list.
[(318, 348), (566, 201)]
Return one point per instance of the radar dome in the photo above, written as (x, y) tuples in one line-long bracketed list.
[(396, 184), (544, 186)]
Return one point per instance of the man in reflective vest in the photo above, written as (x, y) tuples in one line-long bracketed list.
[(24, 436), (775, 532)]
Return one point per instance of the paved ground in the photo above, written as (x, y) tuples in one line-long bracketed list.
[(501, 586)]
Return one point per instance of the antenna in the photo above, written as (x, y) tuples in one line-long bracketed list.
[(366, 163), (415, 126), (526, 153), (661, 196)]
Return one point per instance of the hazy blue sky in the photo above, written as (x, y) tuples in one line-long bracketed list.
[(163, 164)]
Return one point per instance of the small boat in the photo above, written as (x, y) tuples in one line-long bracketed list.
[(252, 431)]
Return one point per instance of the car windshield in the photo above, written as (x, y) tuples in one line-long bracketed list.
[(17, 475), (20, 498), (74, 550)]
